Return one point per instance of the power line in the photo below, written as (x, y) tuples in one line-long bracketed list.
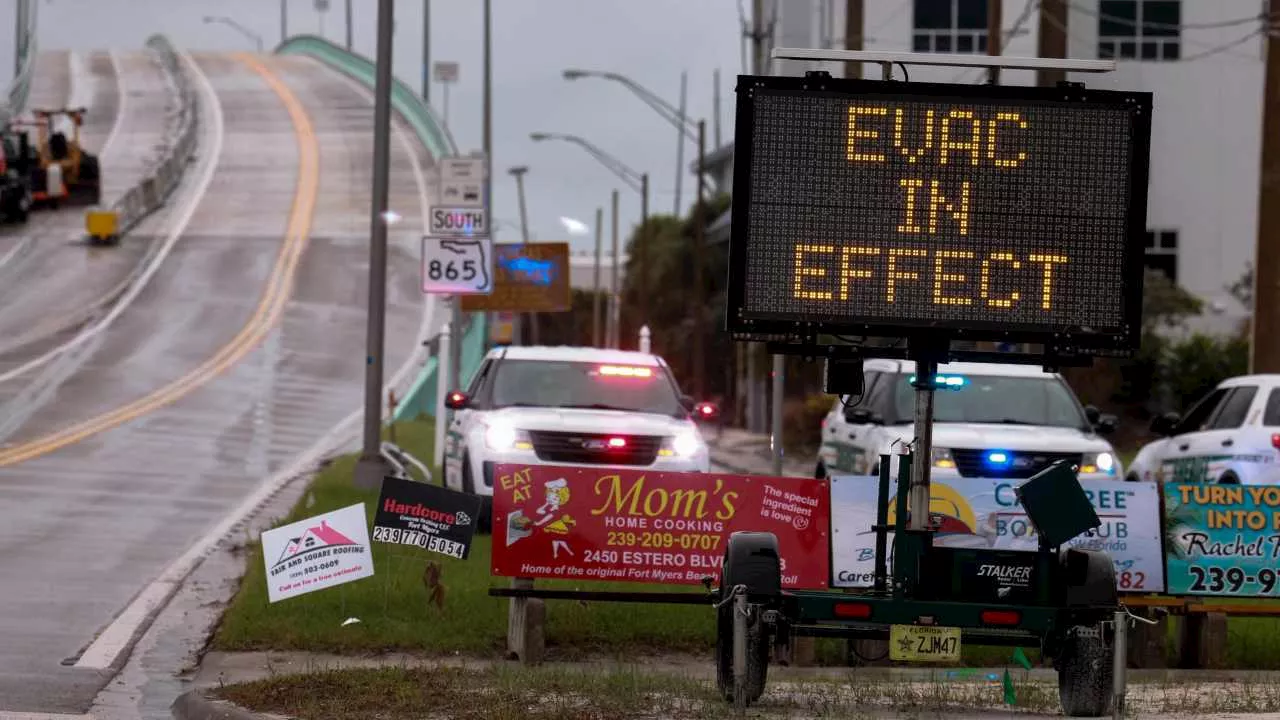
[(1209, 50), (1260, 17), (1008, 34), (1224, 47)]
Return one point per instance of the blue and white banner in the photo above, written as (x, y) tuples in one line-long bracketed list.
[(985, 513)]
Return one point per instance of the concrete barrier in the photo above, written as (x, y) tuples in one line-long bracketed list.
[(431, 132)]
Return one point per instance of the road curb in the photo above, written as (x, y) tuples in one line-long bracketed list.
[(195, 705)]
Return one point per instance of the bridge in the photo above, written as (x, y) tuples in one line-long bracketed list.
[(154, 393)]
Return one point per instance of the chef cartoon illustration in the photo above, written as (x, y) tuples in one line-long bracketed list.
[(549, 517)]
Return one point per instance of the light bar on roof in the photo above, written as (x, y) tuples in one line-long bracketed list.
[(626, 371)]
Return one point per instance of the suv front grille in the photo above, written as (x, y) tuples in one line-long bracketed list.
[(1022, 464), (593, 448)]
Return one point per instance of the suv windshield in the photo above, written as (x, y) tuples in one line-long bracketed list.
[(543, 383), (995, 399)]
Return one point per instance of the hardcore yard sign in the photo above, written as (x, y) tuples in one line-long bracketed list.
[(426, 516), (317, 553), (631, 525)]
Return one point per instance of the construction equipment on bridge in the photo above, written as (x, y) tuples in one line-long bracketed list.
[(102, 227), (66, 173), (15, 176)]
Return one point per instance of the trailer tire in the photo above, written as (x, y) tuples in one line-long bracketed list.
[(750, 559), (1085, 673)]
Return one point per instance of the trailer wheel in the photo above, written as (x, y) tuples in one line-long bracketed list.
[(750, 559), (1085, 673)]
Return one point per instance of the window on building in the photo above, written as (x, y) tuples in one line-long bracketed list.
[(950, 26), (1162, 252), (1140, 29)]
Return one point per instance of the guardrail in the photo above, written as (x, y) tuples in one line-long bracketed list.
[(151, 193), (431, 132)]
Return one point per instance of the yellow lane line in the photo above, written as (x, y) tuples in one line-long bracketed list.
[(270, 307)]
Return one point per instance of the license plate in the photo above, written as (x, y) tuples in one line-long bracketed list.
[(924, 643)]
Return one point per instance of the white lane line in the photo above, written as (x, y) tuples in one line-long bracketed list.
[(122, 106), (111, 648), (202, 185), (8, 715)]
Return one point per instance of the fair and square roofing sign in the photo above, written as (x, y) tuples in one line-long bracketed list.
[(317, 553)]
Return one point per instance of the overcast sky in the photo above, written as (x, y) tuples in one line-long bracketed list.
[(650, 41)]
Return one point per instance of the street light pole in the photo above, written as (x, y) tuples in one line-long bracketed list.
[(595, 296), (223, 20), (680, 130), (426, 53), (284, 21), (613, 281), (518, 172), (371, 466), (642, 252), (699, 285)]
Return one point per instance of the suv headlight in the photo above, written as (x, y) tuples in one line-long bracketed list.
[(941, 458), (684, 445), (501, 436), (1098, 463)]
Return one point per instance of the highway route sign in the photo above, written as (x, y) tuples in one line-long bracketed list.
[(459, 221), (462, 181), (532, 277), (457, 265)]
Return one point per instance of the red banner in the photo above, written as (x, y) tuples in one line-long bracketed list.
[(617, 524)]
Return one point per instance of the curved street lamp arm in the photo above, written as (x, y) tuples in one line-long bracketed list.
[(616, 166), (682, 122)]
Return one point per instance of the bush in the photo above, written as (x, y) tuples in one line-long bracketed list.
[(802, 423), (1190, 368)]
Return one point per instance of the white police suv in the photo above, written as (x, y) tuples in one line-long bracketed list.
[(990, 420), (570, 406), (1231, 436)]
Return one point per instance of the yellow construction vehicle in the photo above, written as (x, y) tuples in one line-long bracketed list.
[(65, 173)]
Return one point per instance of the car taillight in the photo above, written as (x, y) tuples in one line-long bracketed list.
[(625, 371), (1275, 441)]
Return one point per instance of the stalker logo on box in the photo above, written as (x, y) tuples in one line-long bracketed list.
[(431, 517)]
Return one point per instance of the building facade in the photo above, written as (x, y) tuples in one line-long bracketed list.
[(1202, 59)]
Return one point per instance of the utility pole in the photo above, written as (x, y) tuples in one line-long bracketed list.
[(284, 21), (595, 296), (426, 53), (699, 261), (854, 24), (613, 310), (530, 318), (1264, 343), (19, 36), (1052, 39), (350, 31), (994, 36), (643, 250), (715, 107), (684, 85), (371, 466)]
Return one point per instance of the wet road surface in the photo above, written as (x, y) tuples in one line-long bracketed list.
[(54, 282), (97, 519)]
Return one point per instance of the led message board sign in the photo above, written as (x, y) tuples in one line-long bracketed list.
[(978, 212)]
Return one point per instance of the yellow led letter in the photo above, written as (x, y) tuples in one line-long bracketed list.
[(895, 274), (1048, 261), (991, 139), (974, 144), (910, 184), (803, 272), (856, 133), (939, 277), (959, 209), (984, 282), (847, 272), (912, 154)]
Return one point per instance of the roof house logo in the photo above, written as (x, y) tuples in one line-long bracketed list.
[(313, 538)]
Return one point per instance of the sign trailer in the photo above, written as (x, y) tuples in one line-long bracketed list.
[(925, 215)]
